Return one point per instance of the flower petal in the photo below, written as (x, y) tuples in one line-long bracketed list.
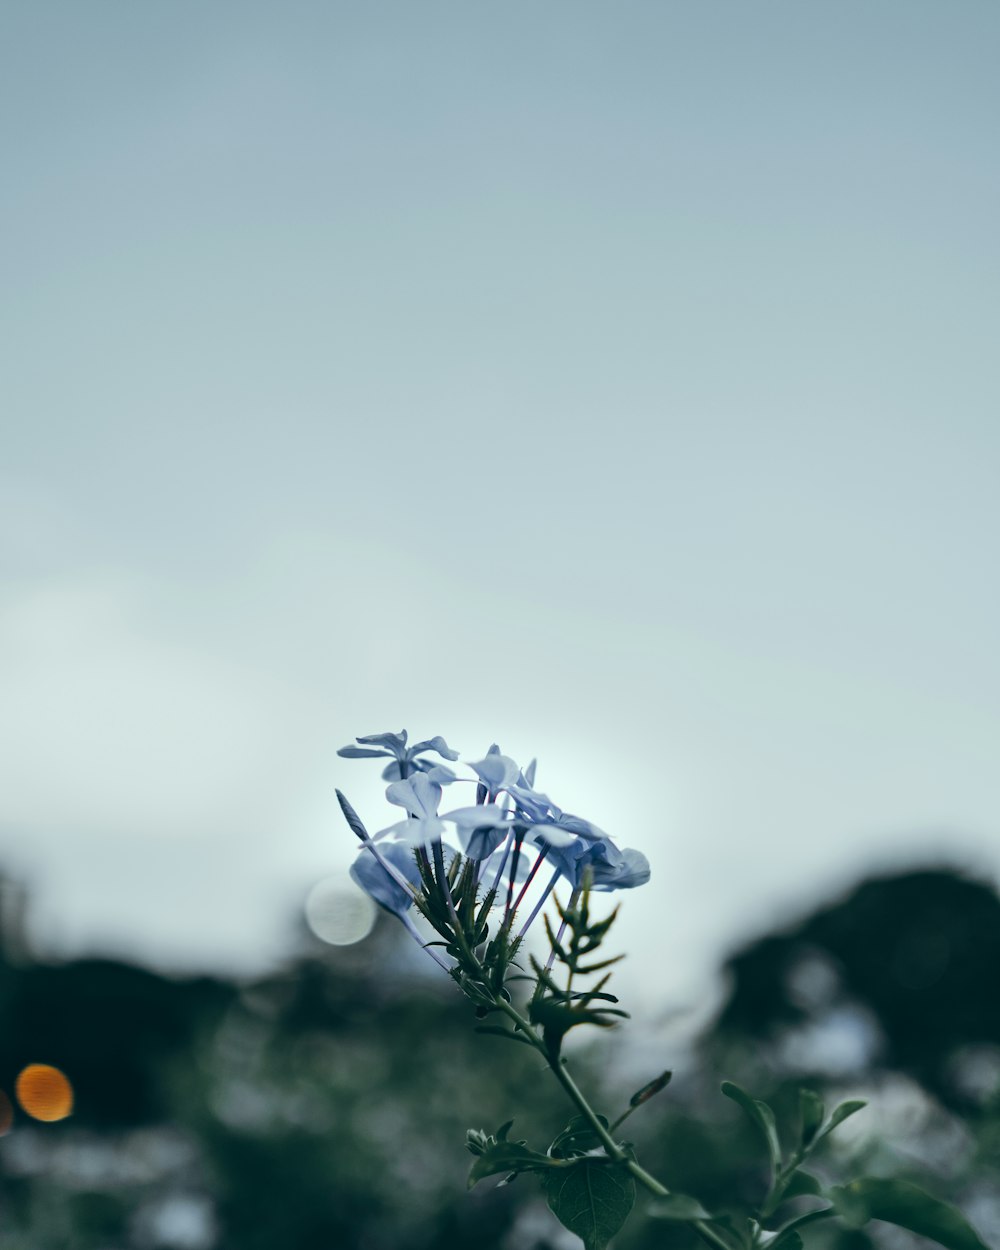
[(435, 772), (553, 837), (417, 831), (437, 744), (632, 871), (396, 743), (496, 771), (480, 829), (477, 817), (576, 824), (417, 794), (534, 804), (368, 873)]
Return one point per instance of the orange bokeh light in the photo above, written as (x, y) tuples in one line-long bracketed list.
[(44, 1092)]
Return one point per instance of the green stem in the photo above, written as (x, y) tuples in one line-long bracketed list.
[(611, 1147)]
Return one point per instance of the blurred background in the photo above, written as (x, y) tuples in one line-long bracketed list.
[(617, 384)]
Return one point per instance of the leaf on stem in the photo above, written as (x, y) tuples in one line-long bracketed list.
[(801, 1184), (841, 1114), (759, 1114), (592, 1198), (811, 1110), (899, 1202), (650, 1089)]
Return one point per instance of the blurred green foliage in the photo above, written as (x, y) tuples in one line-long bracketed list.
[(323, 1106)]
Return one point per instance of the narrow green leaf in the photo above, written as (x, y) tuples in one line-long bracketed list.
[(677, 1207), (592, 1198), (650, 1089), (761, 1115), (841, 1114), (812, 1111), (899, 1202)]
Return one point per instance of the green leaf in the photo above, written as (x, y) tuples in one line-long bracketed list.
[(677, 1207), (497, 1154), (899, 1202), (592, 1198), (800, 1221), (650, 1089), (577, 1138), (791, 1241), (812, 1111), (761, 1115), (841, 1114), (802, 1183)]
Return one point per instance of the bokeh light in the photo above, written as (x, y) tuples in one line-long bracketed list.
[(338, 912), (44, 1092), (6, 1114)]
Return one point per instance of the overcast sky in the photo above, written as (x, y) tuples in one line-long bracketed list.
[(615, 381)]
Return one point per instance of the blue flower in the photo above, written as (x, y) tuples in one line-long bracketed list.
[(404, 759), (625, 870), (419, 795), (572, 844), (611, 868), (480, 829), (496, 772), (379, 885)]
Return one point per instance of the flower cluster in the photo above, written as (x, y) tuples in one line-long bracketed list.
[(495, 846), (467, 871)]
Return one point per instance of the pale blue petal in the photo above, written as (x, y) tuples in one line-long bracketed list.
[(437, 744), (480, 829), (392, 831), (396, 743), (533, 803), (379, 885), (553, 837), (571, 858), (631, 871), (476, 817), (497, 771), (360, 753), (576, 824), (418, 831), (480, 843), (435, 772), (417, 794)]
